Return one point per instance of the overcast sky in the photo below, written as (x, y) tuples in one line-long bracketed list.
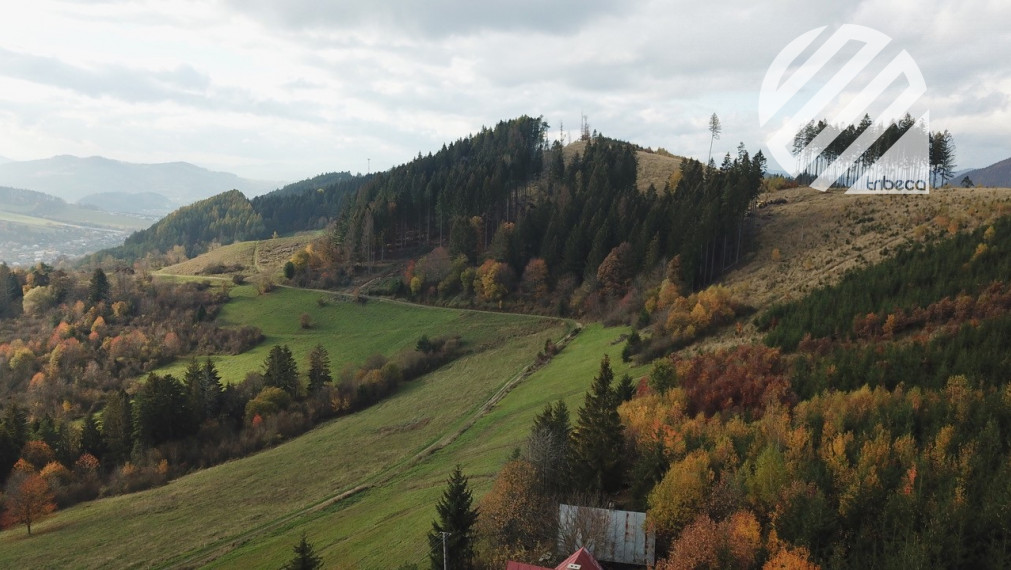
[(283, 90)]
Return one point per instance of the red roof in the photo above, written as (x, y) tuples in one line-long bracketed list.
[(580, 560)]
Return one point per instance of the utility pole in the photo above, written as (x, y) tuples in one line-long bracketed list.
[(444, 563)]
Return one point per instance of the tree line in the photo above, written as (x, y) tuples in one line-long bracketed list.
[(818, 159)]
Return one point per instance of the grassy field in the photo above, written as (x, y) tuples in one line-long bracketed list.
[(398, 515), (260, 499), (349, 331), (247, 513)]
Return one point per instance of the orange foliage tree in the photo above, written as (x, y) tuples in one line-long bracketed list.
[(28, 500)]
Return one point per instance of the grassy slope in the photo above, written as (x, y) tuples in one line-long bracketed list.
[(252, 510), (350, 332), (256, 257), (215, 509), (398, 515)]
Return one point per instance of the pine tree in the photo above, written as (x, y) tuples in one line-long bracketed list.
[(203, 386), (597, 440), (281, 370), (319, 368), (305, 557), (456, 519), (91, 437), (117, 427), (98, 287)]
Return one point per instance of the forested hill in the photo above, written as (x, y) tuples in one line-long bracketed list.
[(503, 195), (223, 218), (229, 217), (506, 195)]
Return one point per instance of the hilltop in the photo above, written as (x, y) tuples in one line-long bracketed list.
[(996, 175)]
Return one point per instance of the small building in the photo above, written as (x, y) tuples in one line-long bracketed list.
[(580, 560)]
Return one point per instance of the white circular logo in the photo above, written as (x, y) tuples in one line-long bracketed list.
[(795, 95)]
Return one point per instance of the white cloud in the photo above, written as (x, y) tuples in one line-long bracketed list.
[(285, 90)]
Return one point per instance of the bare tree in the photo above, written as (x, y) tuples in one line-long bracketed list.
[(585, 527)]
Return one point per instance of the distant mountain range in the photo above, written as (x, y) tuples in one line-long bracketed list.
[(997, 175), (114, 185)]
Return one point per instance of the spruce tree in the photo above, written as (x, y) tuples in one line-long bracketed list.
[(319, 368), (98, 287), (117, 427), (281, 370), (203, 386), (305, 557), (597, 440), (548, 448), (457, 517), (91, 437)]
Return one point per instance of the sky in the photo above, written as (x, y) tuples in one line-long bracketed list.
[(284, 90)]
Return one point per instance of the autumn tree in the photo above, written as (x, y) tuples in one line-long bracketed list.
[(515, 514), (28, 499), (305, 557), (319, 368), (597, 439), (455, 525), (616, 271), (280, 370), (535, 278)]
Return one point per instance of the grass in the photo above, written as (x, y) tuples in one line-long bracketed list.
[(249, 512), (255, 257), (398, 515), (211, 512), (350, 332)]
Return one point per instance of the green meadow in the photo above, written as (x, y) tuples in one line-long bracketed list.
[(247, 513)]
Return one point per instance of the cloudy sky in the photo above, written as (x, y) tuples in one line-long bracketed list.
[(283, 90)]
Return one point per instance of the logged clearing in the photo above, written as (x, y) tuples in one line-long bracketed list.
[(652, 168), (805, 239), (245, 258)]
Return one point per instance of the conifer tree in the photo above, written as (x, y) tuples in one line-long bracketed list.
[(548, 447), (281, 370), (203, 386), (319, 368), (457, 518), (117, 427), (598, 438), (98, 287), (91, 437), (305, 557)]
